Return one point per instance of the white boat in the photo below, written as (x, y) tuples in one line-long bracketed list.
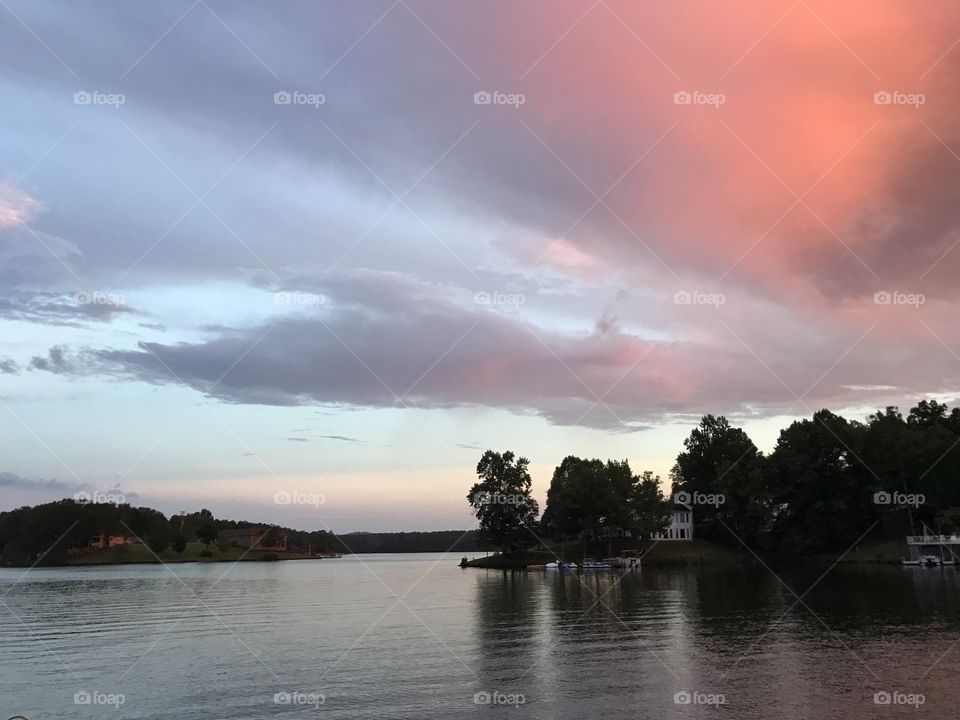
[(932, 550), (596, 565), (560, 566), (927, 561)]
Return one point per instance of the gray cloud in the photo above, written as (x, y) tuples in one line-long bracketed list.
[(13, 480), (372, 350), (55, 362)]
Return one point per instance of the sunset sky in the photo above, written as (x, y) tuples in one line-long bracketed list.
[(250, 247)]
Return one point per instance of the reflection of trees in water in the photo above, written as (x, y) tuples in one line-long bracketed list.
[(506, 626), (717, 629), (569, 639)]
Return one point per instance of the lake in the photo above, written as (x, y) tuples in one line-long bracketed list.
[(414, 636)]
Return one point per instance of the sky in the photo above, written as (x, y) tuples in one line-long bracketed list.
[(336, 250)]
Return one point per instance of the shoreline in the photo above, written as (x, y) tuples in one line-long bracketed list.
[(696, 553)]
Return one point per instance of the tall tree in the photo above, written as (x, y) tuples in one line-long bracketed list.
[(591, 499), (823, 490), (502, 502), (721, 471)]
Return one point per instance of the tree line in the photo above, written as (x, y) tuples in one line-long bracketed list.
[(828, 484), (587, 499), (45, 534)]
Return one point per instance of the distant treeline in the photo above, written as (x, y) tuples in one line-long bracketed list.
[(46, 534), (402, 542)]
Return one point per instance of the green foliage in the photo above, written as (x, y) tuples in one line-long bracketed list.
[(502, 502), (828, 481), (158, 536), (179, 543), (589, 498), (721, 460), (207, 529)]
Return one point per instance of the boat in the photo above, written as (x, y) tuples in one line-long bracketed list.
[(929, 561), (560, 566), (596, 565), (932, 550)]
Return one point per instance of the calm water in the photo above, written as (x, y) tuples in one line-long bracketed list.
[(413, 636)]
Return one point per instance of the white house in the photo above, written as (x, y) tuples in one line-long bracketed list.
[(681, 524)]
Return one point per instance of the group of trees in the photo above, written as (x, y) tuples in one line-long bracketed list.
[(587, 499), (46, 533), (828, 482)]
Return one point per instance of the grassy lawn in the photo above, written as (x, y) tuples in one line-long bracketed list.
[(888, 551), (140, 554)]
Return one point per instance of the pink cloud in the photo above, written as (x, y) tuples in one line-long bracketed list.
[(16, 207)]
